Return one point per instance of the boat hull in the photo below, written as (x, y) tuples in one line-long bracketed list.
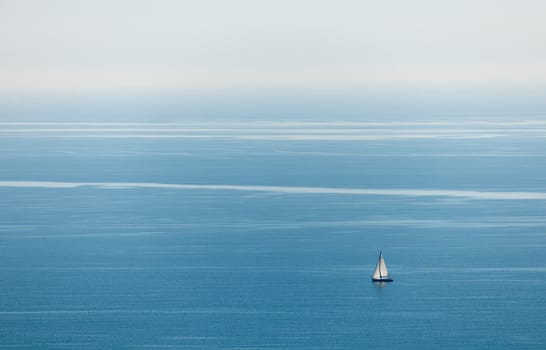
[(382, 280)]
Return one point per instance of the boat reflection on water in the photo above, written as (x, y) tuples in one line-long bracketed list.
[(380, 284)]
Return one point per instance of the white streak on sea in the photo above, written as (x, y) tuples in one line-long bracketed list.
[(254, 131), (272, 130), (486, 195), (284, 137), (266, 123)]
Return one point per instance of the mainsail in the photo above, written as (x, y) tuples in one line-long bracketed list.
[(381, 273)]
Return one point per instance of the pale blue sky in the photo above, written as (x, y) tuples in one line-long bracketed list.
[(105, 45)]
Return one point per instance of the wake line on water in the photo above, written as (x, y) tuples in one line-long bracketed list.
[(486, 195)]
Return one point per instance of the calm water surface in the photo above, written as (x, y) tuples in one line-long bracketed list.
[(95, 267)]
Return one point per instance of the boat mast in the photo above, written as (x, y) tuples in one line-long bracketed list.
[(379, 263)]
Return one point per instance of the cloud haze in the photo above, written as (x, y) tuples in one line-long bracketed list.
[(120, 45)]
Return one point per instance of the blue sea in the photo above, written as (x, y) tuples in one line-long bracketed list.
[(264, 235)]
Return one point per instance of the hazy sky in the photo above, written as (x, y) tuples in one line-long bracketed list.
[(123, 45)]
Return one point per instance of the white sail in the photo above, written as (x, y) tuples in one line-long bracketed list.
[(381, 269)]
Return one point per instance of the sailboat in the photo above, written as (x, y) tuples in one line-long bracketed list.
[(381, 274)]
